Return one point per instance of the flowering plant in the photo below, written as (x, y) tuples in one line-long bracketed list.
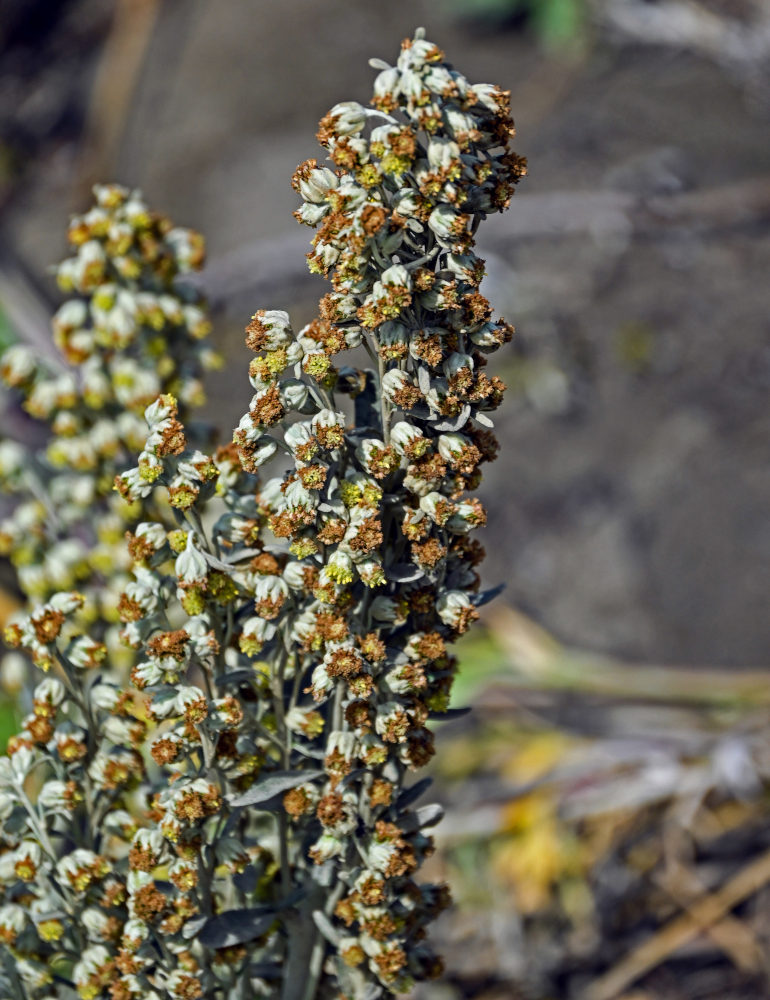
[(130, 331), (238, 821)]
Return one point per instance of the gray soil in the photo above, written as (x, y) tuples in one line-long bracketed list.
[(628, 511)]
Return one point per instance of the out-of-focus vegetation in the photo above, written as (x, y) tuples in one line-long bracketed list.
[(554, 22), (8, 723), (607, 829), (6, 333)]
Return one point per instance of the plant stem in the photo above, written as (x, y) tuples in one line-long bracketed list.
[(315, 964), (384, 404)]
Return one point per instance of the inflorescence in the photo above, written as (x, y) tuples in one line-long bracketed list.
[(237, 820), (129, 331)]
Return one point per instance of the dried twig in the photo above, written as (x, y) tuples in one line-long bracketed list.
[(27, 311), (703, 913), (114, 87), (730, 934)]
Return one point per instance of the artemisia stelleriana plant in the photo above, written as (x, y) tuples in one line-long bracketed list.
[(129, 331), (240, 821)]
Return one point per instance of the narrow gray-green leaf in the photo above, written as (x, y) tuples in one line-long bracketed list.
[(422, 817), (450, 713), (413, 793), (325, 926), (235, 927), (455, 423), (485, 596), (429, 815), (273, 784), (404, 572)]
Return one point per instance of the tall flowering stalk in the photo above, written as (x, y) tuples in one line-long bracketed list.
[(129, 331), (241, 822)]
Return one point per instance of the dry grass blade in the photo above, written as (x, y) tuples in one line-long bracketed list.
[(27, 310), (8, 605), (540, 660), (116, 80), (703, 913), (731, 935)]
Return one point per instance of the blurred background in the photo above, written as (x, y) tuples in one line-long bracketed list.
[(608, 821)]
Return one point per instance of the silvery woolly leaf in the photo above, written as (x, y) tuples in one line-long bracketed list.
[(422, 412), (390, 772), (246, 881), (240, 554), (423, 379), (412, 794), (50, 915), (236, 926), (365, 404), (162, 692), (261, 792), (403, 572), (482, 418), (323, 875), (332, 507), (217, 563), (17, 823), (485, 596), (457, 423), (265, 970), (348, 379), (192, 927), (422, 817), (352, 777), (324, 925), (429, 815), (235, 676), (354, 983), (315, 753), (449, 714)]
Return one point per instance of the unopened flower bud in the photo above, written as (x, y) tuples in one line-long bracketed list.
[(191, 567), (349, 117), (318, 183)]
